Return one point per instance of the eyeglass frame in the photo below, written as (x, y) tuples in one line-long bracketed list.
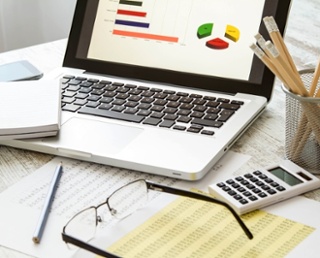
[(150, 186)]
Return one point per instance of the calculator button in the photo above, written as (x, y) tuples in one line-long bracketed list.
[(265, 187), (226, 188), (257, 173), (253, 198), (262, 195), (256, 190), (262, 176), (248, 175), (231, 192), (241, 189), (239, 178), (244, 182), (259, 183), (243, 201), (280, 188), (271, 191), (247, 193), (237, 197), (250, 186), (274, 184), (235, 185), (253, 179), (230, 181), (221, 184), (268, 180)]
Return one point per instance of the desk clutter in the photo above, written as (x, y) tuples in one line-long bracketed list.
[(29, 109), (179, 227), (303, 98)]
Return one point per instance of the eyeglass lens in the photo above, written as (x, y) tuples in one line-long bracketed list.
[(122, 203), (83, 225), (128, 199)]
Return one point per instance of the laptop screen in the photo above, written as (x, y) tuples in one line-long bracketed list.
[(194, 43)]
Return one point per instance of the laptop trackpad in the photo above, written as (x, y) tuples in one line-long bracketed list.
[(94, 137)]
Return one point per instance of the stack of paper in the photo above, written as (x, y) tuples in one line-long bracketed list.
[(29, 109)]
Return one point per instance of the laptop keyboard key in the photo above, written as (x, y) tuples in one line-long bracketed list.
[(67, 100), (93, 104), (93, 98), (171, 117), (207, 132), (105, 106), (197, 114), (144, 112), (194, 130), (118, 108), (152, 121), (237, 102), (74, 82), (130, 110), (71, 108), (230, 106), (184, 112), (223, 100), (157, 115), (206, 122), (111, 114), (184, 119), (211, 117), (80, 102), (157, 108), (179, 127), (167, 124)]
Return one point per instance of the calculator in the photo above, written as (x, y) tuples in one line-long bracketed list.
[(264, 187)]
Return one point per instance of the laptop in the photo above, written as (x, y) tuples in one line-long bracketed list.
[(164, 87)]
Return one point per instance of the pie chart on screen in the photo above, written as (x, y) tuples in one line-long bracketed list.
[(205, 31)]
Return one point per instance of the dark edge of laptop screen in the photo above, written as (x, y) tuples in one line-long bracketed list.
[(260, 81)]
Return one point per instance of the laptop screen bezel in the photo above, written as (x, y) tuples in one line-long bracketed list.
[(279, 9)]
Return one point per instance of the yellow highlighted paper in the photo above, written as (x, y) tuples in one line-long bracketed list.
[(193, 228)]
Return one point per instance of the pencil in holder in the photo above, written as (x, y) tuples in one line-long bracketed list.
[(302, 134)]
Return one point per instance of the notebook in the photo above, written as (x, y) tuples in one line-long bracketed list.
[(194, 50)]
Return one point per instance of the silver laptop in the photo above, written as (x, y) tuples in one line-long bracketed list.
[(164, 87)]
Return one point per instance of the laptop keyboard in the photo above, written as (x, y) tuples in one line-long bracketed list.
[(152, 106)]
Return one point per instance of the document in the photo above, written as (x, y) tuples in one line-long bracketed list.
[(192, 228), (29, 109)]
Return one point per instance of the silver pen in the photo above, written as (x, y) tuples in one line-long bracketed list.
[(47, 205)]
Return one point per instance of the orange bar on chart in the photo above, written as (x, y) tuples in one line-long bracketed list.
[(145, 35)]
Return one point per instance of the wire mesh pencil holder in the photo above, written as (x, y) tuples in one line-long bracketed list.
[(302, 134)]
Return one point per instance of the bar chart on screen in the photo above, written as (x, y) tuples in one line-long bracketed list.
[(212, 30), (159, 20)]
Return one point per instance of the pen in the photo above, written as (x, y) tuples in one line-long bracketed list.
[(47, 205)]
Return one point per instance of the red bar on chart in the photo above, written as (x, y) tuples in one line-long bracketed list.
[(132, 13)]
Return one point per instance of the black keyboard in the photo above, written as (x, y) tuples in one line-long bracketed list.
[(152, 106)]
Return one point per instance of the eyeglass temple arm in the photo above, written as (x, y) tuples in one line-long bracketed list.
[(167, 189), (86, 246)]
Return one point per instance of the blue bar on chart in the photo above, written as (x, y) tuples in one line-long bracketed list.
[(132, 23)]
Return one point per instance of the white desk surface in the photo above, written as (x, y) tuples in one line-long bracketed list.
[(264, 140)]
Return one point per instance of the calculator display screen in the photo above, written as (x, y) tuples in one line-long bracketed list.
[(285, 176)]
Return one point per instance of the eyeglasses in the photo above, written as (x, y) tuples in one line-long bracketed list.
[(121, 203)]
